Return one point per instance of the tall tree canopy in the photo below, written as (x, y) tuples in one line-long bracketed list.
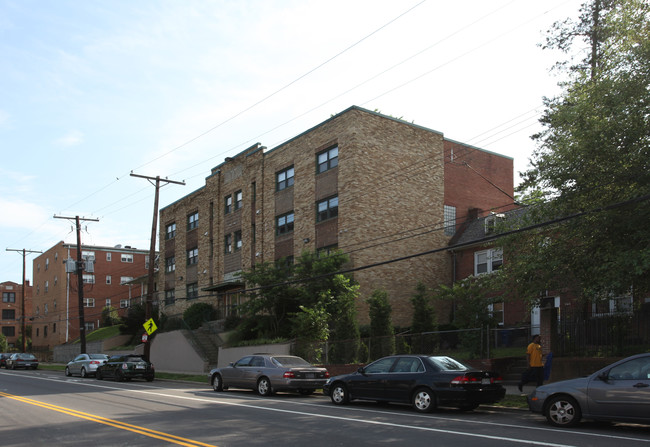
[(593, 158)]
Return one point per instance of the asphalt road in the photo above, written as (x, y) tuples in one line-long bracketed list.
[(38, 407)]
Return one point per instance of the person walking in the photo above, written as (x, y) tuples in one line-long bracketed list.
[(535, 371)]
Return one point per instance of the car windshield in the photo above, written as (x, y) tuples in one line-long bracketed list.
[(290, 361), (27, 357), (448, 364), (98, 356), (134, 359)]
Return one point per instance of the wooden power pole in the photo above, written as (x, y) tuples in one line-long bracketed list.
[(148, 309)]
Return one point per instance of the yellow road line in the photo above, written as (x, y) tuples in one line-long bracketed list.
[(111, 422)]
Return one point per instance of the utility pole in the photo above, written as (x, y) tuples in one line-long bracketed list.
[(22, 312), (80, 279), (152, 253)]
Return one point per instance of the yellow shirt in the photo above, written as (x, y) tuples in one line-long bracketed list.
[(534, 353)]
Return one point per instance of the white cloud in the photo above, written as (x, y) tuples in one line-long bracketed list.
[(72, 138)]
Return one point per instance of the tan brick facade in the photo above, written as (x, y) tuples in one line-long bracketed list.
[(390, 184)]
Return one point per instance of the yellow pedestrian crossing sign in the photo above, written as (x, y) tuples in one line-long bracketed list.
[(150, 326)]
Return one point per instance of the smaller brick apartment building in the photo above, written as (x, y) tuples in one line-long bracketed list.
[(375, 187), (12, 310), (55, 302)]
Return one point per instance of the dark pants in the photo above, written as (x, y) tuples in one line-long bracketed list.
[(533, 374)]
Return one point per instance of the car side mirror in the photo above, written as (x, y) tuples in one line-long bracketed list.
[(361, 370), (604, 376), (232, 364)]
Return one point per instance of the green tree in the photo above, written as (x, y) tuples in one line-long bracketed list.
[(470, 299), (134, 320), (382, 334), (311, 328), (3, 343), (424, 320), (110, 317), (344, 329), (199, 313), (592, 159)]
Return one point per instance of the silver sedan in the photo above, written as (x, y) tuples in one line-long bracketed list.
[(618, 392), (268, 373), (85, 364)]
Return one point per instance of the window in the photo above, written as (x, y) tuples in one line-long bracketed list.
[(327, 160), (170, 264), (170, 297), (89, 328), (88, 254), (8, 297), (108, 279), (449, 214), (192, 291), (8, 314), (47, 286), (487, 261), (227, 244), (326, 251), (127, 258), (108, 257), (88, 278), (125, 279), (284, 224), (89, 302), (238, 241), (170, 231), (496, 311), (124, 304), (227, 204), (8, 331), (492, 221), (239, 200), (47, 263), (46, 308), (193, 256), (326, 209), (284, 179), (108, 303), (45, 331), (193, 221)]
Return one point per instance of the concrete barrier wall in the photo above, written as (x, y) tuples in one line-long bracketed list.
[(172, 352)]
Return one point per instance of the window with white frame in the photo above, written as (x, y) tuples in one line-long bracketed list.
[(89, 302), (89, 327), (125, 279), (108, 303), (108, 279), (488, 261), (8, 297), (109, 256), (127, 258), (47, 286), (449, 214), (88, 254), (88, 278), (124, 304), (496, 311)]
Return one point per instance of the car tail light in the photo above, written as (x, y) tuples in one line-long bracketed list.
[(464, 380), (327, 374), (95, 362), (289, 375), (497, 379)]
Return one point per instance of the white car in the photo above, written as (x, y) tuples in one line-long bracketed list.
[(85, 364)]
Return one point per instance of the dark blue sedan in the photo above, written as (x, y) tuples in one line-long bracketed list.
[(425, 382)]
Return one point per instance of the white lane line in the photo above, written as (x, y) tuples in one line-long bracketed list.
[(440, 418)]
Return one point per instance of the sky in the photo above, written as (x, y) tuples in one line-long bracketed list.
[(92, 90)]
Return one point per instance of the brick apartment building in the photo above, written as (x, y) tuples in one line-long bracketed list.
[(55, 302), (12, 310), (375, 187)]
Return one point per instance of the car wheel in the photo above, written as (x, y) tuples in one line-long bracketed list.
[(119, 375), (67, 372), (339, 394), (217, 383), (563, 411), (423, 400), (98, 375), (149, 378), (264, 387), (306, 392), (83, 373)]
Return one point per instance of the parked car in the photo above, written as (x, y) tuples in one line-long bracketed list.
[(85, 364), (268, 373), (618, 392), (126, 367), (22, 360), (425, 382), (3, 359)]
